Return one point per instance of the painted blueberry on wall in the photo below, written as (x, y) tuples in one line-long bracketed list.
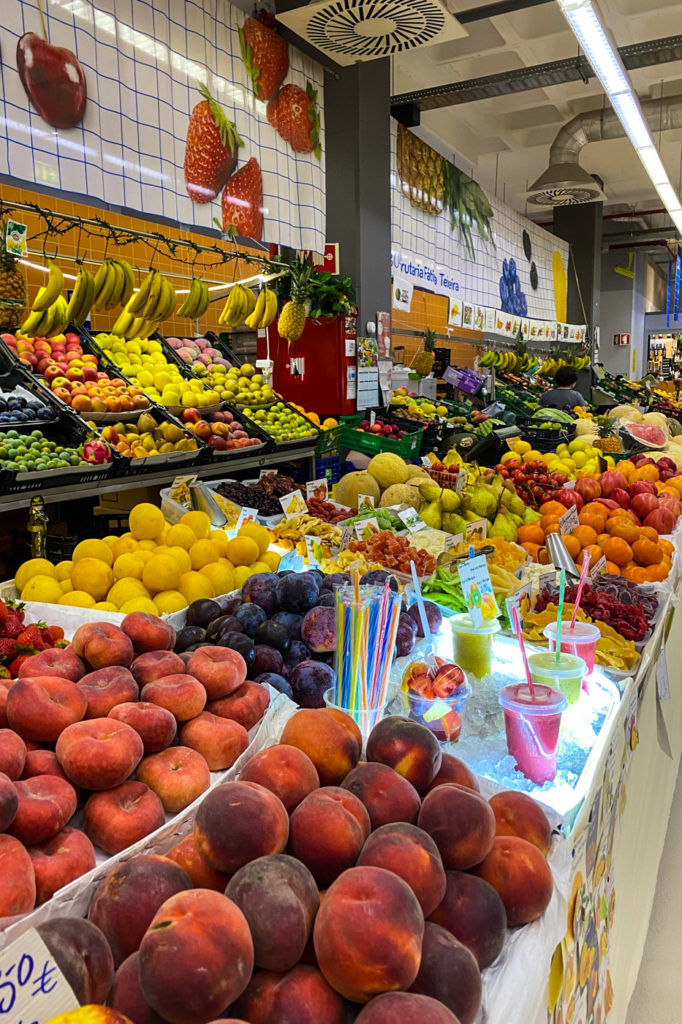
[(512, 298)]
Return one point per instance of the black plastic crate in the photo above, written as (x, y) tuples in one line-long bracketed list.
[(137, 467), (220, 341)]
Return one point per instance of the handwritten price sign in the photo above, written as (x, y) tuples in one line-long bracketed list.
[(32, 988)]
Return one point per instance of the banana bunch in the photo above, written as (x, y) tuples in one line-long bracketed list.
[(197, 301), (155, 301), (82, 297), (240, 304), (529, 363), (48, 324), (51, 290), (114, 284), (264, 311), (550, 366), (488, 358), (580, 362)]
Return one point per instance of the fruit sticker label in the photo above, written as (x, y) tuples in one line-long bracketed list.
[(412, 520), (569, 520), (293, 504), (365, 528), (16, 239), (478, 590), (317, 489), (519, 600), (365, 501), (32, 988), (477, 530)]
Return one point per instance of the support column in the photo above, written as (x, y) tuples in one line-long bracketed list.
[(581, 227)]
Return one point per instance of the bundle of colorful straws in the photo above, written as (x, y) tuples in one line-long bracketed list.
[(366, 628)]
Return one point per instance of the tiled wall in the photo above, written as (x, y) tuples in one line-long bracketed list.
[(429, 310)]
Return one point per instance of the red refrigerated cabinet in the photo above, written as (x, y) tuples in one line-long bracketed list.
[(319, 372)]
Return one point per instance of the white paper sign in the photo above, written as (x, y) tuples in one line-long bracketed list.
[(364, 500), (32, 988), (662, 680), (370, 524), (412, 520), (293, 504), (247, 515), (477, 530), (599, 567), (401, 292), (317, 489), (569, 520)]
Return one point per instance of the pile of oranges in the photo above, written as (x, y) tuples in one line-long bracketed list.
[(635, 552)]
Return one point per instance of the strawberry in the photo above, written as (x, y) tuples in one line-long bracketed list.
[(17, 663), (8, 649), (13, 625), (265, 55), (210, 149), (243, 202), (4, 612), (32, 637), (56, 633), (5, 673), (295, 115)]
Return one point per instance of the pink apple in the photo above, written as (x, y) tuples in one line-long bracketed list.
[(644, 503)]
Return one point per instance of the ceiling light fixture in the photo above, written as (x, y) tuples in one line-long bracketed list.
[(608, 67)]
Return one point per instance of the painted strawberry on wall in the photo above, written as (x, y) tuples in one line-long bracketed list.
[(242, 202), (211, 149), (53, 79), (294, 114), (265, 54)]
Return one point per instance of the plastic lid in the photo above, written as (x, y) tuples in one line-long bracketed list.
[(544, 665), (582, 632), (463, 623), (547, 700)]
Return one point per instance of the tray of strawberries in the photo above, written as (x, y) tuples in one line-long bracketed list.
[(19, 640)]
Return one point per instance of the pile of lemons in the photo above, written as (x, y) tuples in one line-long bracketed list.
[(156, 567)]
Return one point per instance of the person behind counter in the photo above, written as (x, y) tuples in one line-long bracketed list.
[(563, 395)]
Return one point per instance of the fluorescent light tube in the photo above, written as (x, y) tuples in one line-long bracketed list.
[(654, 165), (631, 117)]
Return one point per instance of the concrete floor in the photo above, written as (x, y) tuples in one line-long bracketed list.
[(657, 998)]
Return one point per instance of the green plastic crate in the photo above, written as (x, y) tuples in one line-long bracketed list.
[(408, 447), (329, 440)]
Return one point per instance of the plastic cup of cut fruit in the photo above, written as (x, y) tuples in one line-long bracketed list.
[(365, 719), (579, 640), (532, 723), (442, 715), (473, 645), (567, 673)]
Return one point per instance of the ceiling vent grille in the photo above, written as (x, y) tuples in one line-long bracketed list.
[(565, 185)]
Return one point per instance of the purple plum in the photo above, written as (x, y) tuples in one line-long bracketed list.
[(298, 592), (405, 640), (202, 612), (327, 600), (297, 652), (274, 635), (319, 629), (187, 636), (309, 682), (291, 622), (277, 682), (241, 643), (224, 624), (260, 589), (335, 579), (433, 616), (377, 578), (251, 617), (267, 659), (229, 603)]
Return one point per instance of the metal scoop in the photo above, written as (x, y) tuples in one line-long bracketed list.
[(203, 501), (559, 556)]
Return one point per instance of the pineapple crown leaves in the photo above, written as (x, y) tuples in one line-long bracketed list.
[(314, 116), (229, 136), (429, 340)]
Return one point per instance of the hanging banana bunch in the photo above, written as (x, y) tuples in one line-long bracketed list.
[(155, 301), (114, 284), (197, 301), (48, 294), (82, 297), (240, 304), (48, 316), (264, 311)]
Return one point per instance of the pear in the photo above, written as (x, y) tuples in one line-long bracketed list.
[(430, 491), (484, 502), (146, 423), (433, 514), (451, 501), (452, 523), (517, 506), (503, 527), (470, 516), (530, 516)]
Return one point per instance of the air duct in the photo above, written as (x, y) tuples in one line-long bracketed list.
[(565, 182)]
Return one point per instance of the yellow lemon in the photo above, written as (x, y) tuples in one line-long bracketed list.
[(144, 555), (124, 545), (139, 604), (180, 557), (78, 599), (106, 606), (507, 456), (226, 562), (220, 539), (260, 567), (241, 575), (242, 551), (198, 522), (161, 539), (92, 576), (42, 588), (66, 586), (533, 456), (93, 548), (169, 601), (579, 459), (203, 553), (161, 573), (222, 578), (128, 565), (522, 447), (258, 533), (146, 521), (62, 570), (194, 585), (181, 536), (147, 545), (34, 567), (271, 559), (126, 588), (110, 540)]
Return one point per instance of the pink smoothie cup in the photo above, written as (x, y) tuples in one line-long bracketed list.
[(581, 641), (532, 724)]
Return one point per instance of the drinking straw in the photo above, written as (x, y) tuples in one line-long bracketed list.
[(581, 584), (559, 613), (472, 551), (524, 656), (422, 615)]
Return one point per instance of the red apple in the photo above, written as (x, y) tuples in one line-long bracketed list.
[(203, 430), (191, 416)]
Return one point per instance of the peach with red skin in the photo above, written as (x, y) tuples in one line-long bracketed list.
[(453, 769), (410, 749), (12, 753), (181, 694), (220, 741), (406, 1007), (9, 802), (412, 855), (178, 775), (119, 817), (56, 661), (237, 822), (246, 705), (368, 934), (82, 954), (101, 644), (286, 771), (301, 994), (449, 973), (125, 902), (155, 726), (279, 900), (17, 878), (520, 874), (105, 688), (387, 796), (155, 665), (46, 803), (473, 912), (332, 743), (99, 753), (60, 860), (126, 995), (5, 685), (186, 854), (148, 632), (42, 762), (220, 669), (41, 707), (460, 822), (328, 830), (517, 814), (196, 957)]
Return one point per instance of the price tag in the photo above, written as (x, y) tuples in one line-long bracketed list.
[(317, 489), (477, 530), (365, 500), (546, 581), (247, 515), (599, 567), (461, 480), (426, 462), (412, 520), (293, 504), (32, 988), (478, 590), (372, 418), (346, 537), (291, 561), (16, 239), (569, 485), (186, 480), (452, 540), (569, 520), (313, 550), (266, 472), (366, 527), (662, 680), (521, 601)]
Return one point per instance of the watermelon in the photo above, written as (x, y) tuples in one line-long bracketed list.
[(646, 434)]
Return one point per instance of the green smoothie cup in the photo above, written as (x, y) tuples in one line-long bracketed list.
[(473, 644), (566, 674)]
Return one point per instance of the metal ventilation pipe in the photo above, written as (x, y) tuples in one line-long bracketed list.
[(599, 125)]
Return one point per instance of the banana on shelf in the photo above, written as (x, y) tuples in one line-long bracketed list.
[(47, 324), (155, 301), (519, 362), (197, 301), (291, 531)]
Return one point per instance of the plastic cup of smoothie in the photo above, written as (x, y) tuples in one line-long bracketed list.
[(581, 640), (532, 724), (473, 644), (567, 674)]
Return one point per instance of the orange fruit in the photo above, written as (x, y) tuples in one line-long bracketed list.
[(594, 508), (543, 558), (585, 536), (532, 549), (612, 568), (548, 521), (572, 544), (666, 563), (655, 573), (624, 528), (552, 528), (650, 534), (533, 534), (602, 539), (635, 574), (666, 547), (552, 508), (617, 550), (647, 473), (595, 553), (645, 552), (628, 469), (596, 522)]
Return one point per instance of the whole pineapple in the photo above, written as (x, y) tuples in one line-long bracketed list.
[(423, 361), (12, 289), (295, 312), (608, 441)]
